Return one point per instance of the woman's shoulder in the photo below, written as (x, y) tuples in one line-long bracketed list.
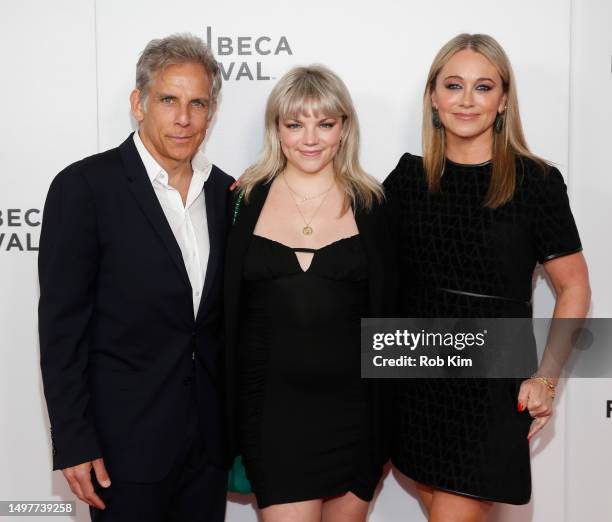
[(539, 185), (241, 198), (536, 175), (249, 192), (410, 159), (408, 162), (408, 171)]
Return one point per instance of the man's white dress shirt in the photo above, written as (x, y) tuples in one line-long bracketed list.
[(188, 222)]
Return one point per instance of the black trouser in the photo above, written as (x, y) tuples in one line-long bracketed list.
[(194, 490)]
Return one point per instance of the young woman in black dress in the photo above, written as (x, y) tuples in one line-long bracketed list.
[(475, 214), (307, 257)]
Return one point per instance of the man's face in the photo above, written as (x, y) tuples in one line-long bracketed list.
[(174, 118)]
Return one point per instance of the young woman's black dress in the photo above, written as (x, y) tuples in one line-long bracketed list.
[(459, 259), (304, 416)]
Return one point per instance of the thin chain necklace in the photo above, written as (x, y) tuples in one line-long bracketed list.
[(307, 230), (307, 198)]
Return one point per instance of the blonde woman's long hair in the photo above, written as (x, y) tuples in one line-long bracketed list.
[(509, 145), (317, 90)]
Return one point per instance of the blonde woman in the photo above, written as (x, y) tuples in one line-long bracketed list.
[(308, 256), (477, 212)]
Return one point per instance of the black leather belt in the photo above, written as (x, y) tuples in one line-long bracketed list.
[(485, 296)]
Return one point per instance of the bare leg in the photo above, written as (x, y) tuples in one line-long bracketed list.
[(345, 508), (307, 511), (449, 507), (426, 494)]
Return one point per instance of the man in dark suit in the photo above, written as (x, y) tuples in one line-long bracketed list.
[(130, 314)]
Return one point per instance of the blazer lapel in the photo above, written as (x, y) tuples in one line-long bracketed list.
[(370, 232), (216, 231), (142, 189), (237, 245), (242, 229)]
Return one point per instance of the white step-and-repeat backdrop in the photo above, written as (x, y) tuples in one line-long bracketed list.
[(68, 68)]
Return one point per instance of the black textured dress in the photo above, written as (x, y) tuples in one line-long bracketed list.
[(459, 259), (304, 413)]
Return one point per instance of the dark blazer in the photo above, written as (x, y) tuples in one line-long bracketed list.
[(124, 363), (377, 238)]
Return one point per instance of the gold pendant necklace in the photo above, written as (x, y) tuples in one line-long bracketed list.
[(307, 230)]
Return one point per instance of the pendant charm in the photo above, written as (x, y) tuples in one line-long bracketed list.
[(307, 230)]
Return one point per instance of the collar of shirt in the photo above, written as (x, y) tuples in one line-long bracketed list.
[(199, 163)]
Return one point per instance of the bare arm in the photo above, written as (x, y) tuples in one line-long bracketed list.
[(570, 279)]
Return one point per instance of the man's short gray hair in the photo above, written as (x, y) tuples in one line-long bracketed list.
[(172, 50)]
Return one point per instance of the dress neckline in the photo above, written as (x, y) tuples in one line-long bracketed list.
[(313, 251), (303, 249), (468, 165)]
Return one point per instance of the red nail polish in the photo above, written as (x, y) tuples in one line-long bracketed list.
[(520, 407)]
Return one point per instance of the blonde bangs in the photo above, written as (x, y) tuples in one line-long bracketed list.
[(309, 97)]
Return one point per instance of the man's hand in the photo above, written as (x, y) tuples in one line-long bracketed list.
[(79, 480)]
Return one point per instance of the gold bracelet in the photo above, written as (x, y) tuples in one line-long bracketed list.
[(547, 382)]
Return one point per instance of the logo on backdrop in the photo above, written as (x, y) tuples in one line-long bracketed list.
[(19, 229), (246, 57), (609, 409)]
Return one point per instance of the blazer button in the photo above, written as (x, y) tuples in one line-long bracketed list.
[(187, 381)]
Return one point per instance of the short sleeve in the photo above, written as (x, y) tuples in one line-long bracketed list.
[(553, 226)]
